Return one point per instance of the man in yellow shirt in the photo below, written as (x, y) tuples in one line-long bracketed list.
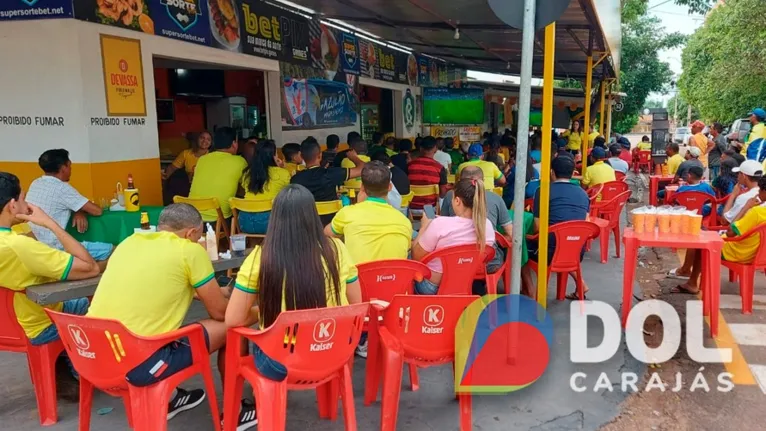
[(217, 174), (492, 174), (599, 172), (373, 229), (26, 262), (741, 251), (699, 140), (360, 146), (674, 159), (758, 129), (593, 135), (149, 285)]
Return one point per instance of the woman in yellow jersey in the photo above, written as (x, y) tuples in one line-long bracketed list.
[(574, 138), (261, 181), (296, 268), (187, 160)]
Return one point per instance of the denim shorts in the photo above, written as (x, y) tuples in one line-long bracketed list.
[(170, 359), (254, 223), (426, 287), (268, 367), (99, 251), (78, 307)]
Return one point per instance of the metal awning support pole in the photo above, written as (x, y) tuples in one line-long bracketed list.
[(602, 112), (522, 141), (609, 103), (586, 125), (545, 168)]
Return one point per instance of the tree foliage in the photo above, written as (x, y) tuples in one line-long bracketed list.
[(723, 62), (642, 72), (696, 6), (683, 107)]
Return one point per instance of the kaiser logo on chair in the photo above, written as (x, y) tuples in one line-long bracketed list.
[(81, 341), (433, 317), (324, 331)]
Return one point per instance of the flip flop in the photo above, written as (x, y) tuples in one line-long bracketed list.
[(673, 273), (575, 297), (681, 289)]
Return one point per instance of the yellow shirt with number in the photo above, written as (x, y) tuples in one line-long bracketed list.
[(744, 251), (27, 262), (149, 283), (574, 140), (758, 131), (279, 178), (598, 173), (348, 164), (373, 230), (187, 161), (247, 278), (673, 163), (490, 170), (217, 176)]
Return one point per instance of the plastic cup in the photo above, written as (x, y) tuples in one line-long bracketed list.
[(686, 224), (639, 219), (650, 222), (663, 221), (695, 224), (238, 244), (675, 223)]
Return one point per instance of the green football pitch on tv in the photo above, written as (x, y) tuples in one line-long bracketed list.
[(453, 111)]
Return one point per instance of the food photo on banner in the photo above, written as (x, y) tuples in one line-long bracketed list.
[(225, 21), (311, 102), (129, 14), (35, 9), (185, 20), (274, 33)]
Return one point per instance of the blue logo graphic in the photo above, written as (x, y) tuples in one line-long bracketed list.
[(183, 12)]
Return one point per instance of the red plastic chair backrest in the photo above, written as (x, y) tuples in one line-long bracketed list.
[(619, 176), (570, 237), (502, 241), (614, 206), (760, 256), (12, 337), (612, 189), (103, 351), (644, 156), (312, 344), (460, 264), (693, 200), (594, 191), (425, 324), (385, 278)]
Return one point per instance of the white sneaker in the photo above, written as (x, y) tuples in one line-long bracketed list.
[(361, 350)]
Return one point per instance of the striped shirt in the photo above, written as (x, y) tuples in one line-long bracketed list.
[(424, 171)]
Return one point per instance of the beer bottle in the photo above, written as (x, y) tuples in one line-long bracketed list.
[(130, 182), (145, 221)]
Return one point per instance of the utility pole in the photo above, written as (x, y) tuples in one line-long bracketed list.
[(675, 110), (689, 114)]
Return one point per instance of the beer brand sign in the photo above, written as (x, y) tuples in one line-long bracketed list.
[(123, 76)]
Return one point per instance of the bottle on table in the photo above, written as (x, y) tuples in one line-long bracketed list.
[(130, 182), (145, 221)]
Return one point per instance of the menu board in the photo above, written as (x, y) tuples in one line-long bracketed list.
[(186, 20), (35, 9), (385, 64), (274, 33)]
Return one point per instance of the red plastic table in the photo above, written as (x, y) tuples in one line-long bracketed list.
[(654, 186), (709, 242)]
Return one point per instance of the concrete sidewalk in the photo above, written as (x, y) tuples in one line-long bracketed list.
[(548, 404)]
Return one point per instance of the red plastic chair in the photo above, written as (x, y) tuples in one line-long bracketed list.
[(611, 190), (611, 211), (619, 176), (103, 351), (317, 348), (594, 192), (40, 359), (505, 269), (382, 280), (405, 341), (644, 159), (570, 237), (746, 271), (696, 201), (460, 265)]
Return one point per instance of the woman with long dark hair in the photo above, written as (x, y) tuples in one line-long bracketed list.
[(262, 180), (574, 138), (296, 268), (469, 225)]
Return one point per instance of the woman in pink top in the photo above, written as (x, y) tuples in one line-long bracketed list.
[(469, 226)]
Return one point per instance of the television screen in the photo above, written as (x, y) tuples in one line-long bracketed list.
[(197, 82), (536, 117), (453, 106)]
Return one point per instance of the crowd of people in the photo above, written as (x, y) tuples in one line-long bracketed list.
[(307, 260)]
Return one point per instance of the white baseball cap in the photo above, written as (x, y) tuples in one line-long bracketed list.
[(750, 168)]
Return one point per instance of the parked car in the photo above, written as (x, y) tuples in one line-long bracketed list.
[(682, 135), (739, 130)]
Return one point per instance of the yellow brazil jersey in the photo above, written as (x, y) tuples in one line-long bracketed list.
[(149, 283), (574, 140), (391, 152), (247, 279), (673, 163), (187, 161), (758, 131), (217, 175), (346, 163), (27, 262), (294, 168), (490, 170), (644, 146), (279, 178), (597, 174), (373, 230), (592, 137), (744, 251)]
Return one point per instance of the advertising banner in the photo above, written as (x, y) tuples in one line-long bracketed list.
[(129, 14), (333, 50), (385, 64), (181, 19), (311, 102), (35, 9), (123, 76), (274, 33), (432, 73)]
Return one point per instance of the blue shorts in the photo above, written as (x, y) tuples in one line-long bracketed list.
[(165, 362), (254, 223), (426, 287), (268, 367), (78, 307), (99, 251)]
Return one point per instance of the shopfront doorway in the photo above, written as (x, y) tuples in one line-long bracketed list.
[(377, 111)]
